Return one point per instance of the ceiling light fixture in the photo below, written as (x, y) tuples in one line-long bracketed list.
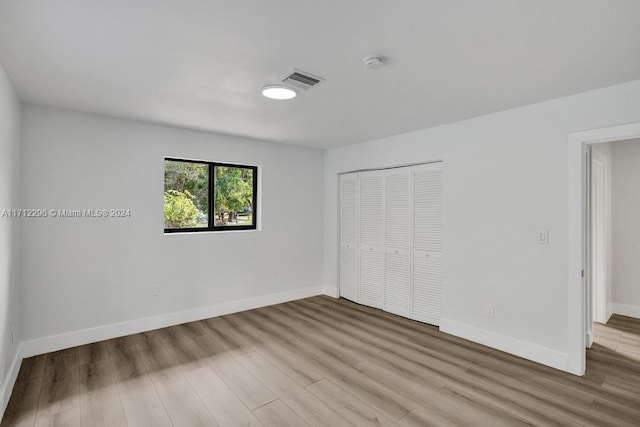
[(278, 92)]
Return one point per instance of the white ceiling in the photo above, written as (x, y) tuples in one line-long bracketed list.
[(201, 63)]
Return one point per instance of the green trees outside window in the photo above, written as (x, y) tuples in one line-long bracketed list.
[(233, 196), (193, 189), (186, 194)]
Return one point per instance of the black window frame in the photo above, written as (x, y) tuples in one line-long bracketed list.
[(211, 223)]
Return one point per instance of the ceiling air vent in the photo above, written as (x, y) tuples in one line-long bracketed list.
[(302, 79)]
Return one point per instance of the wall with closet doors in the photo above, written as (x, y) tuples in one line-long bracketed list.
[(391, 240)]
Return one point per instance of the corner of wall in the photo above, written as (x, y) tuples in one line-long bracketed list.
[(10, 380), (10, 198), (331, 291)]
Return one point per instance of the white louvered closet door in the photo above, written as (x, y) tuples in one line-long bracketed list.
[(372, 241), (397, 241), (349, 236), (427, 243)]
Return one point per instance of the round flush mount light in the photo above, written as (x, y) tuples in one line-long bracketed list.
[(278, 92)]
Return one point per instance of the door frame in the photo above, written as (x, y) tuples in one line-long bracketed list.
[(578, 308)]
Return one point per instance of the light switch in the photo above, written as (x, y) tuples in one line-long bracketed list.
[(543, 237)]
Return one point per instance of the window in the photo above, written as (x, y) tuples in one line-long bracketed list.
[(209, 196)]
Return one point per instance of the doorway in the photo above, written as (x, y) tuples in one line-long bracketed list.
[(597, 233), (580, 296)]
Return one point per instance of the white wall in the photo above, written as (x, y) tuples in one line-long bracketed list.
[(86, 273), (626, 228), (9, 235), (505, 178), (606, 149)]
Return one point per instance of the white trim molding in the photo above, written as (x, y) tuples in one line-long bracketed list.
[(627, 310), (10, 380), (524, 349), (114, 330)]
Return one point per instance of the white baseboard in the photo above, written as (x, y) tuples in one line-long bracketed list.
[(526, 350), (114, 330), (626, 310), (10, 380)]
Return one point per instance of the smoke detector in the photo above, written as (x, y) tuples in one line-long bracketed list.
[(373, 62)]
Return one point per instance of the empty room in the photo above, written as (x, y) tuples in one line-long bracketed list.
[(344, 213)]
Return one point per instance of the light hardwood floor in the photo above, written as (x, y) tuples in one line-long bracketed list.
[(323, 362)]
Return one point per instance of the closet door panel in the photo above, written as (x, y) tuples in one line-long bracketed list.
[(371, 192), (427, 288), (348, 271), (398, 241), (398, 282), (427, 207), (427, 243), (372, 207), (398, 208), (372, 272)]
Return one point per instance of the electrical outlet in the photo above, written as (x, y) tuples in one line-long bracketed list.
[(13, 333), (279, 278), (155, 291), (489, 310)]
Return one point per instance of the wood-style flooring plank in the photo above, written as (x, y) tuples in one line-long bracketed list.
[(32, 367), (23, 404), (223, 404), (524, 401), (180, 400), (185, 353), (118, 347), (410, 387), (483, 412), (146, 341), (129, 369), (611, 413), (295, 396), (350, 407), (306, 333), (227, 335), (247, 387), (277, 414), (142, 407), (66, 418), (60, 384), (94, 352), (279, 353), (389, 401), (99, 399)]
